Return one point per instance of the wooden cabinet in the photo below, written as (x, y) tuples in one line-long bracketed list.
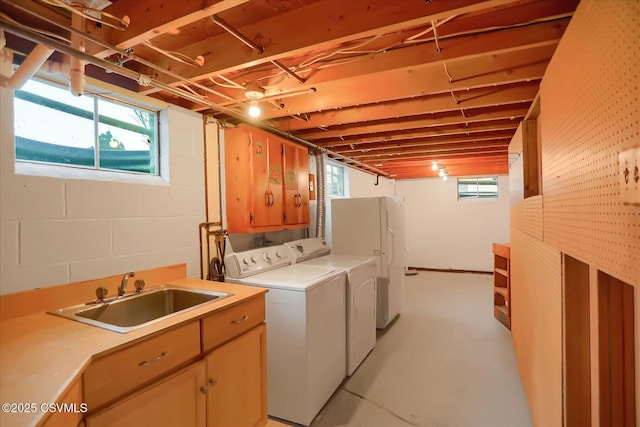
[(116, 374), (237, 386), (266, 181), (224, 383), (296, 184), (72, 416), (266, 166), (502, 283), (178, 400)]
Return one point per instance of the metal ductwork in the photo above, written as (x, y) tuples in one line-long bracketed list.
[(321, 209)]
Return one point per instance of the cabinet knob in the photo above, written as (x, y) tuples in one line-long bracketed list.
[(213, 381), (204, 390)]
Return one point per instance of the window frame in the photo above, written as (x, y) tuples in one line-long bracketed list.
[(342, 168), (97, 96), (478, 195)]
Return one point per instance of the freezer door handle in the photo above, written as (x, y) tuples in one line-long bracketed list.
[(392, 245)]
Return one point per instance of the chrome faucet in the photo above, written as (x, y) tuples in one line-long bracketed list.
[(123, 285)]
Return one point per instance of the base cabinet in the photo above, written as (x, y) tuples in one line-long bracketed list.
[(237, 386), (176, 401), (224, 384)]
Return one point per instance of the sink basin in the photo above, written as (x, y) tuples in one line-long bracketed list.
[(134, 311)]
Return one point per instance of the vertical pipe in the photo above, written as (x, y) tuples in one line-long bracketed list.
[(76, 66)]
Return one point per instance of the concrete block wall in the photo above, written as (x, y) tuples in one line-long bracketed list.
[(56, 229)]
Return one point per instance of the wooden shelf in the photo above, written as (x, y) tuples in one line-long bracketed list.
[(505, 273), (502, 291), (502, 283)]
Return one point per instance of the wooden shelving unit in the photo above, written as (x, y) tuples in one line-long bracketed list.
[(502, 283)]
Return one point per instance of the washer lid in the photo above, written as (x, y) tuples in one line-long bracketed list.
[(297, 277)]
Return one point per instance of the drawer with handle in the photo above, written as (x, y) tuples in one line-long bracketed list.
[(118, 373), (232, 322)]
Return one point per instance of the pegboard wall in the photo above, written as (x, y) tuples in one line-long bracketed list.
[(589, 113), (536, 324)]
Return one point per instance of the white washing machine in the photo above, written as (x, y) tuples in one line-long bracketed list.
[(360, 289), (306, 333)]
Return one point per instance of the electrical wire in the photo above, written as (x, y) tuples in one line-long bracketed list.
[(198, 61), (80, 8)]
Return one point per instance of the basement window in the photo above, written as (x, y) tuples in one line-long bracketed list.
[(90, 131), (478, 188), (335, 180)]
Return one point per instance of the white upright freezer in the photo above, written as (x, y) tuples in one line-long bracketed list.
[(375, 226)]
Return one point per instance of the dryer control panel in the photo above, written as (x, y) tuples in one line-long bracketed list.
[(244, 264)]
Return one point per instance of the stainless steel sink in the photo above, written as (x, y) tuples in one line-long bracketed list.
[(130, 312)]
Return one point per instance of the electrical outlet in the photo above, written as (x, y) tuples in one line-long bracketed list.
[(629, 176)]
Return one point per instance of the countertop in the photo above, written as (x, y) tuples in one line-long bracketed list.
[(42, 355)]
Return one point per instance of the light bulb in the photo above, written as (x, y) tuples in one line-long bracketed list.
[(434, 166), (254, 110), (444, 177), (441, 173)]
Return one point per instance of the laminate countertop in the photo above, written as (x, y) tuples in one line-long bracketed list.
[(42, 355)]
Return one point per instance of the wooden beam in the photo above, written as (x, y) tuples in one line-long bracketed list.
[(151, 18), (500, 128), (316, 27), (450, 118), (486, 97)]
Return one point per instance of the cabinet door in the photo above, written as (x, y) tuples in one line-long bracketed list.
[(266, 179), (176, 401), (238, 158), (303, 184), (237, 386), (291, 184), (296, 160)]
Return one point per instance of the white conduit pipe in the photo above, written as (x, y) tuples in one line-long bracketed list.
[(29, 66), (76, 70)]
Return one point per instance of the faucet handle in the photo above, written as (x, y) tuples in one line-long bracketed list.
[(101, 293), (139, 285)]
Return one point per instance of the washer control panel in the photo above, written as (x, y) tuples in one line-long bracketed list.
[(244, 264)]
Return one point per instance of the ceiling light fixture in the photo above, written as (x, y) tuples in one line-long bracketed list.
[(442, 172), (434, 166), (254, 92), (254, 109)]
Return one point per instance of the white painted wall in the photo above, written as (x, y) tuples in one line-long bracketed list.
[(359, 184), (445, 233), (362, 184), (57, 230)]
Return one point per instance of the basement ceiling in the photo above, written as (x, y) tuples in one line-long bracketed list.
[(388, 86)]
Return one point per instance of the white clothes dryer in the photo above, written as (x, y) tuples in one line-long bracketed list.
[(306, 332), (360, 294)]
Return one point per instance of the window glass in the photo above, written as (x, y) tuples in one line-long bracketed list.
[(53, 126), (335, 180), (478, 188)]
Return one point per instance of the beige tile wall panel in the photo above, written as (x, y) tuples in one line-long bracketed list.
[(590, 112), (536, 325), (533, 217), (517, 217)]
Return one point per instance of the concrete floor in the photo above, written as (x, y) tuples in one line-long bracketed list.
[(445, 362)]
